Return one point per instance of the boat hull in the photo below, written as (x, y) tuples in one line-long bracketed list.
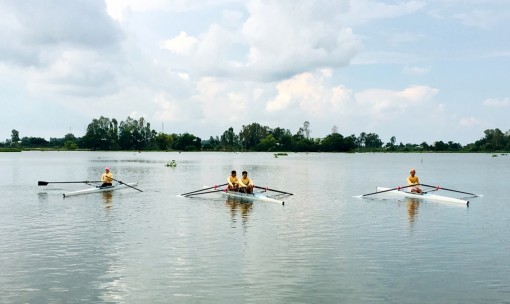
[(427, 196), (99, 189), (251, 197)]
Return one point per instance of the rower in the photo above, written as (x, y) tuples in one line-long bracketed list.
[(233, 181), (107, 178), (246, 184), (413, 180)]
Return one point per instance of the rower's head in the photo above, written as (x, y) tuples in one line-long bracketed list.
[(245, 173), (107, 169), (233, 173), (413, 172)]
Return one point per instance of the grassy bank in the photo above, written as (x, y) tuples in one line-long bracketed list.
[(10, 150)]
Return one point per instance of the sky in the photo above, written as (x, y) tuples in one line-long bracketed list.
[(418, 70)]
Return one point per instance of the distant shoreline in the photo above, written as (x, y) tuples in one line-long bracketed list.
[(494, 153)]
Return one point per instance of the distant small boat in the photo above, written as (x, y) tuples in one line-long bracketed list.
[(173, 163)]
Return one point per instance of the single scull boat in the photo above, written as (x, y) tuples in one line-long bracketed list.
[(424, 196), (100, 189)]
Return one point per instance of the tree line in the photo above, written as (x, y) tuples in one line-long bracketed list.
[(106, 134)]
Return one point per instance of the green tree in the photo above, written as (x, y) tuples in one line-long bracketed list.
[(34, 142), (130, 137), (187, 142), (440, 146), (99, 135), (373, 141), (283, 138), (14, 137), (335, 142), (212, 144), (251, 135), (269, 143), (229, 140), (164, 141)]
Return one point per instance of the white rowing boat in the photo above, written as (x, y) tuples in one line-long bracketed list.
[(428, 196), (100, 189), (256, 196)]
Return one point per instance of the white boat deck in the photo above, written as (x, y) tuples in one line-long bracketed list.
[(99, 189), (426, 196)]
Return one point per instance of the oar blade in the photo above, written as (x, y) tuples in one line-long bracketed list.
[(42, 183)]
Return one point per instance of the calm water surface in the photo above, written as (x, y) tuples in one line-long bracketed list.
[(323, 246)]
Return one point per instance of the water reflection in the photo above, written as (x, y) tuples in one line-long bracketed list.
[(412, 209), (43, 197), (239, 206), (107, 199)]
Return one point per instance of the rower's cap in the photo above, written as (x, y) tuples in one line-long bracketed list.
[(412, 170), (107, 168)]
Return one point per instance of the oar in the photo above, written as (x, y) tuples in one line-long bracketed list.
[(199, 193), (213, 187), (42, 183), (438, 188), (121, 182), (397, 188), (265, 188)]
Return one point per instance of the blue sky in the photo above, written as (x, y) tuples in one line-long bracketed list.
[(417, 70)]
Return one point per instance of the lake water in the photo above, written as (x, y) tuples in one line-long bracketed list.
[(323, 246)]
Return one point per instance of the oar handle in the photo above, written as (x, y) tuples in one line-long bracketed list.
[(123, 183), (200, 190), (397, 188), (452, 190), (265, 188)]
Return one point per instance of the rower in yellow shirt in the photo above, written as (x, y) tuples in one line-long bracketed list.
[(246, 184), (233, 181), (107, 177), (414, 180)]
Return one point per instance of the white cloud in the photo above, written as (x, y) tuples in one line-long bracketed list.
[(183, 76), (310, 92), (168, 110), (117, 9), (364, 11), (283, 44), (497, 103), (415, 70), (384, 103), (182, 44), (271, 44), (470, 122), (482, 18), (75, 72)]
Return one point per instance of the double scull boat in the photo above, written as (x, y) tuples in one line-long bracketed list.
[(256, 196), (424, 195), (100, 189)]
